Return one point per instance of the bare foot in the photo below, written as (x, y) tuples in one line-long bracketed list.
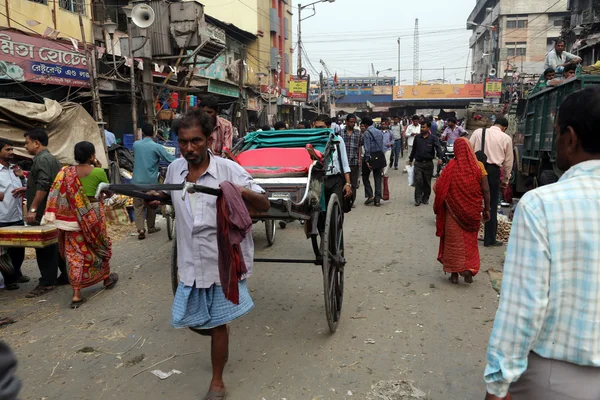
[(468, 275), (454, 278)]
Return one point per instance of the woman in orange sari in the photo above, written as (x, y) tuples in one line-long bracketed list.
[(80, 219), (459, 194)]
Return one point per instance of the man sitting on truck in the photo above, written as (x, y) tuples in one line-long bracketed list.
[(560, 58)]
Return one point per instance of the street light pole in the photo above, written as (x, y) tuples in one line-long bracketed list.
[(300, 19), (398, 60)]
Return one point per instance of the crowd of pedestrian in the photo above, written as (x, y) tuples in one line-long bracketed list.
[(546, 323)]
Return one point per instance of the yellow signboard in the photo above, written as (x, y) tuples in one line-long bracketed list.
[(382, 90), (438, 92), (298, 88)]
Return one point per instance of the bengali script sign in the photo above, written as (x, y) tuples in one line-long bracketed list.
[(438, 92), (382, 90), (299, 88), (34, 59), (493, 88)]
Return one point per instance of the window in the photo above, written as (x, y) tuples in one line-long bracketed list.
[(40, 1), (517, 22), (516, 52), (558, 22), (75, 6)]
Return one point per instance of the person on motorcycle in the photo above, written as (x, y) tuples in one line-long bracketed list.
[(453, 131)]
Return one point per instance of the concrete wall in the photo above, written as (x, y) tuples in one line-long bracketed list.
[(239, 13), (531, 6), (67, 23), (540, 15), (259, 53)]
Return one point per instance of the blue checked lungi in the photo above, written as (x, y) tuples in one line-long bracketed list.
[(207, 308)]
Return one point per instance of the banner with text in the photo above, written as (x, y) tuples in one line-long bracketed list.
[(493, 88), (299, 88), (438, 92), (32, 59)]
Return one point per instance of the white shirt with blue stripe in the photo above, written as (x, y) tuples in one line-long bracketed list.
[(550, 298)]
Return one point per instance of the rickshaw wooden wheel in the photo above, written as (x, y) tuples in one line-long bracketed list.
[(333, 262), (271, 229), (174, 269)]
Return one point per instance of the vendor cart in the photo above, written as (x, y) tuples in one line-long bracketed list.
[(291, 167)]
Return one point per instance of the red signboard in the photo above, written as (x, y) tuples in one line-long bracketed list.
[(32, 59)]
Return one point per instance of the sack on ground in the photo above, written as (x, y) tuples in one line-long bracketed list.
[(411, 175)]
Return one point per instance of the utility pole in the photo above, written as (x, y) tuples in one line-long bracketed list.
[(97, 106), (300, 40), (398, 61), (242, 105), (443, 75), (134, 110), (416, 54)]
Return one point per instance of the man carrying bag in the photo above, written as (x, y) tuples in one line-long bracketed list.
[(374, 161)]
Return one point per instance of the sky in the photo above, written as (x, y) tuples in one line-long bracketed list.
[(349, 35)]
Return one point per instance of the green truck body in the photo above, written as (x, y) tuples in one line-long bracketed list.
[(535, 142)]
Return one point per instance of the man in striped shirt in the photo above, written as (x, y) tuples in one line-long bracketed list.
[(545, 343), (222, 134)]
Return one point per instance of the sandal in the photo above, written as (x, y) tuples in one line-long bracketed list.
[(23, 279), (215, 396), (39, 291), (6, 321), (141, 235), (12, 286), (114, 279), (153, 230), (75, 304)]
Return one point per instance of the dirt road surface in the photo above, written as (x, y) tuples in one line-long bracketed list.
[(401, 320)]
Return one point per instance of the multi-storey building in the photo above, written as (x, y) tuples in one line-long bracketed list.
[(513, 35)]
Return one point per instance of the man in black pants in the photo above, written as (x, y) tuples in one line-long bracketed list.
[(499, 152), (353, 141), (373, 141), (424, 149), (43, 171)]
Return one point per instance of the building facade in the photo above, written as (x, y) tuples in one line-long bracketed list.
[(513, 36), (271, 52), (583, 30)]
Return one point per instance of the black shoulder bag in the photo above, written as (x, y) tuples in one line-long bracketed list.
[(377, 160), (481, 157)]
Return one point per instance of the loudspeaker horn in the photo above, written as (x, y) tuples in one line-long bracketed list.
[(142, 16), (493, 72)]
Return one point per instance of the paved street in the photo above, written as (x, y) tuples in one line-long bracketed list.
[(420, 327)]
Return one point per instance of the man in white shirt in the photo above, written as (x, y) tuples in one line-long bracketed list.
[(12, 189), (200, 303), (499, 152), (411, 132), (109, 138), (398, 133), (560, 58)]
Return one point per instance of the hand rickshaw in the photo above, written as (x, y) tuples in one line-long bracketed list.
[(291, 167)]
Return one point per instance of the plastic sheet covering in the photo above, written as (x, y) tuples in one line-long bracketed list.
[(66, 123), (287, 139)]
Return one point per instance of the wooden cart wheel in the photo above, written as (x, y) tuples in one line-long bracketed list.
[(316, 245), (271, 229), (170, 216), (174, 269), (333, 262)]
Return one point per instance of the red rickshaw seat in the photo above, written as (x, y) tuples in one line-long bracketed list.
[(276, 162)]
